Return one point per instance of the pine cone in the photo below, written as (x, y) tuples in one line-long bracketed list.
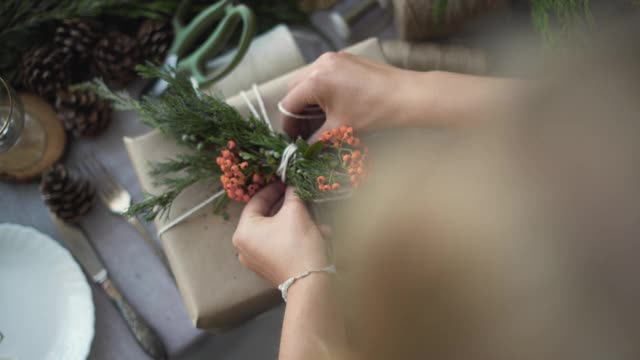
[(114, 58), (76, 38), (82, 112), (66, 196), (154, 39), (44, 70)]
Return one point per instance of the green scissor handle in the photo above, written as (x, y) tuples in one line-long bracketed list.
[(228, 16)]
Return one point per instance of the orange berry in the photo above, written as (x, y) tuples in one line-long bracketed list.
[(356, 154), (335, 186), (256, 178), (244, 165), (353, 178), (320, 187), (231, 144), (235, 168), (226, 154), (359, 170), (352, 171), (321, 179), (346, 158), (228, 162), (326, 187)]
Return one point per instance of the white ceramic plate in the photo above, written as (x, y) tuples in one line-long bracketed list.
[(46, 307)]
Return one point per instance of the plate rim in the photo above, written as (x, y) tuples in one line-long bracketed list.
[(86, 287)]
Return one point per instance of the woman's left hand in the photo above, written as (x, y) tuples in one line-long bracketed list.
[(283, 245)]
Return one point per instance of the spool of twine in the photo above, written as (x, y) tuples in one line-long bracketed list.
[(418, 20), (429, 56)]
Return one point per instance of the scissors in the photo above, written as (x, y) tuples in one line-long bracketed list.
[(186, 56)]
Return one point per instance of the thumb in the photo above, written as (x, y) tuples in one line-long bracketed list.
[(261, 203), (291, 198)]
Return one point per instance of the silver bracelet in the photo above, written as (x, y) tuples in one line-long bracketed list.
[(284, 287)]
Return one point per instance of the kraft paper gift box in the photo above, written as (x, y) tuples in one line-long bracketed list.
[(218, 291)]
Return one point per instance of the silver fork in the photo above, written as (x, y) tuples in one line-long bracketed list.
[(117, 199)]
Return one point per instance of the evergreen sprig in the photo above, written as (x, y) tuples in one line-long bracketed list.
[(207, 128)]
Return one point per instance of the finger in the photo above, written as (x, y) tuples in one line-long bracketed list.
[(261, 203), (299, 76), (276, 206), (290, 197)]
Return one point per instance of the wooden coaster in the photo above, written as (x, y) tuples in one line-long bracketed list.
[(41, 143)]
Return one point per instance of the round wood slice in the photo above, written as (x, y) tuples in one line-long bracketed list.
[(44, 141)]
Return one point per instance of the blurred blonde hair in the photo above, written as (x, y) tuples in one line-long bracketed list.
[(514, 240)]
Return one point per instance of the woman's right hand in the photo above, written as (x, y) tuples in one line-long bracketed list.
[(351, 91)]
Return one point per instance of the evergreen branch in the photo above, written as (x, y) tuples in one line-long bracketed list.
[(121, 100), (221, 146), (551, 17)]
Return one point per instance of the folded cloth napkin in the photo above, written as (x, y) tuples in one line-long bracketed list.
[(218, 291)]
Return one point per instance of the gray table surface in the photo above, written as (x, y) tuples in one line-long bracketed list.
[(133, 266)]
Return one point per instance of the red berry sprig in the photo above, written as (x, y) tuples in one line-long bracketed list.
[(236, 179), (353, 159)]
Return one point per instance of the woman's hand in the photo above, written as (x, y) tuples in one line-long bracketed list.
[(283, 245), (352, 91), (369, 96)]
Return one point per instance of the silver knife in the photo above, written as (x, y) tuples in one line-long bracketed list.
[(78, 244)]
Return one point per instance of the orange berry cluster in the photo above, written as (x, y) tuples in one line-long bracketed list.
[(238, 185), (352, 159), (340, 136), (355, 165), (323, 186)]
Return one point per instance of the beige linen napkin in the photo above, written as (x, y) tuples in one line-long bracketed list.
[(218, 292)]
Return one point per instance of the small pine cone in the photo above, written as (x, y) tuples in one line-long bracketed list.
[(154, 39), (82, 112), (76, 38), (114, 58), (44, 70), (66, 196)]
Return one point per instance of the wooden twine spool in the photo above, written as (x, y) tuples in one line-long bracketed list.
[(427, 19), (429, 57)]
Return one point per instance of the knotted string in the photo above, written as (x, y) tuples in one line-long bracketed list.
[(288, 155)]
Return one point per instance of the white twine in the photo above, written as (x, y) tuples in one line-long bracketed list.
[(284, 287), (190, 212), (288, 113), (288, 154)]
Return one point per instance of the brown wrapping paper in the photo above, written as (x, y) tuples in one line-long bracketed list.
[(218, 292)]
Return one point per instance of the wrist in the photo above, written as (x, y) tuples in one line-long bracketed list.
[(415, 100)]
